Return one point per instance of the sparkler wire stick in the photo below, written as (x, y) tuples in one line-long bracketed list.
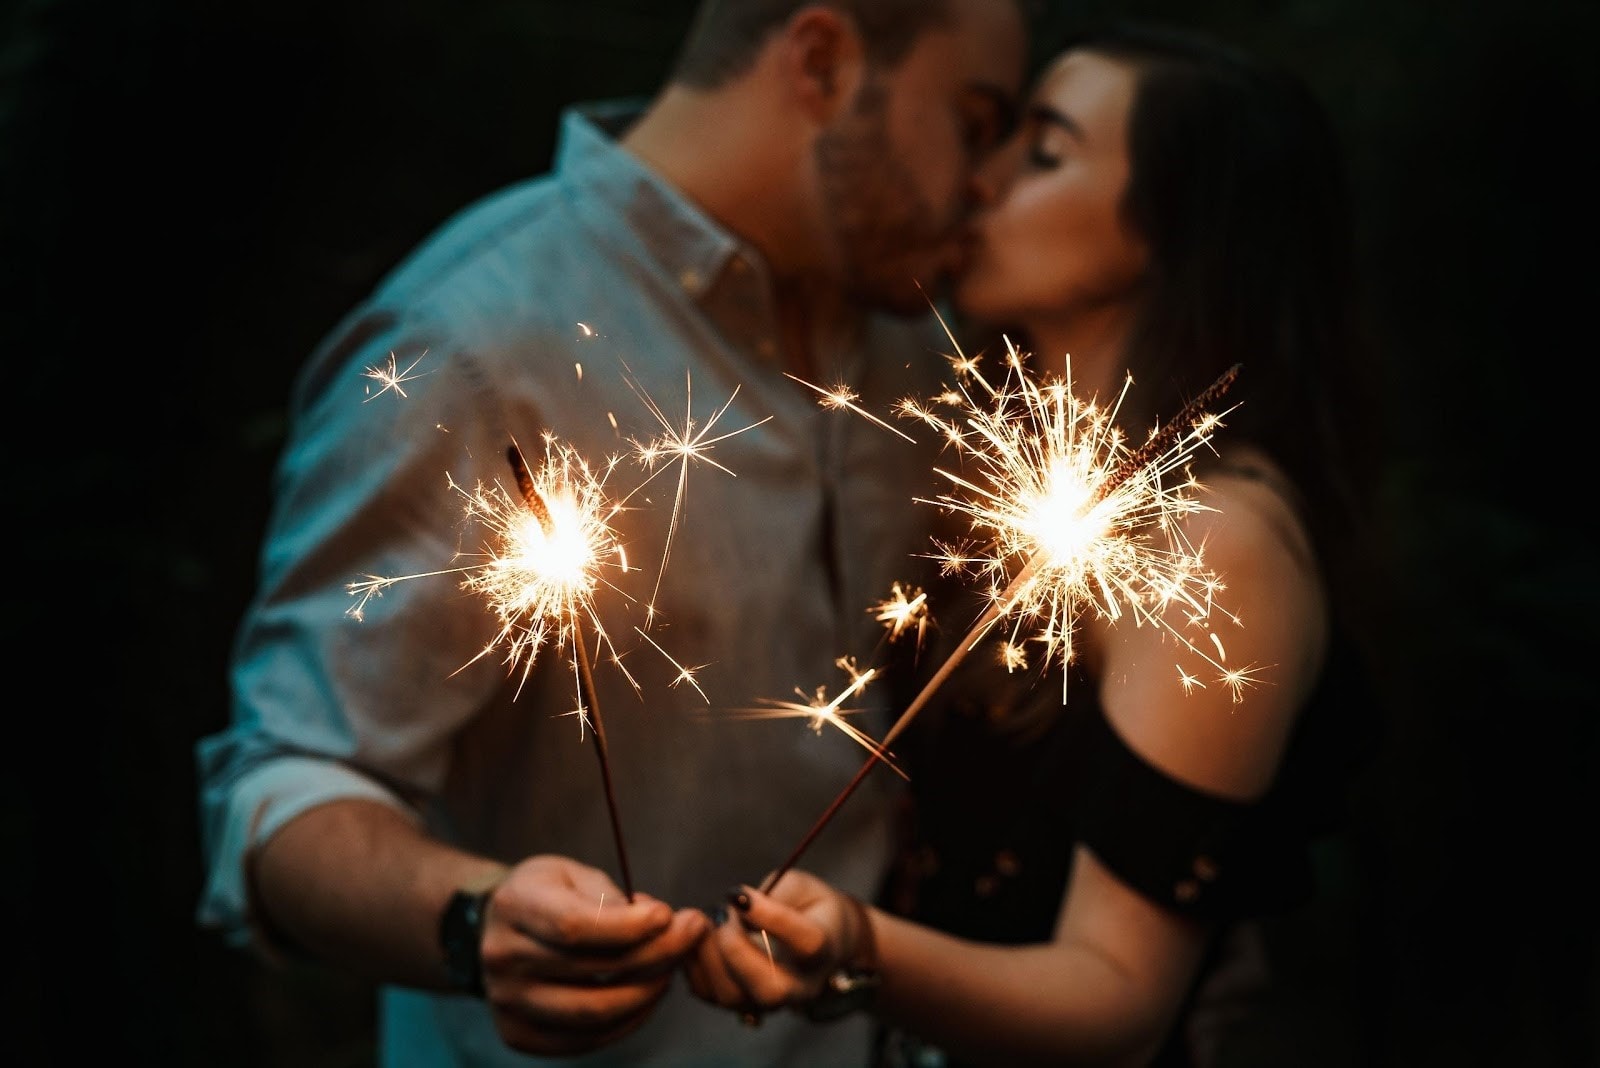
[(586, 686), (1158, 443)]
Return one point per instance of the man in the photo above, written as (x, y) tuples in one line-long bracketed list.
[(389, 799)]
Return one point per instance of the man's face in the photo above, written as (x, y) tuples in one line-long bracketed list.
[(896, 170)]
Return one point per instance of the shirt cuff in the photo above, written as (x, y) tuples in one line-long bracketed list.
[(260, 803)]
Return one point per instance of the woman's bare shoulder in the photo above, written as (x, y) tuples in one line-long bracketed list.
[(1207, 687)]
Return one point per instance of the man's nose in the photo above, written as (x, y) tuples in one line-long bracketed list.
[(992, 177)]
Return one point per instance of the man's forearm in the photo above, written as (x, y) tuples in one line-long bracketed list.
[(357, 884)]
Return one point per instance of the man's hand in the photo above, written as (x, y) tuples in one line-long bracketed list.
[(569, 965)]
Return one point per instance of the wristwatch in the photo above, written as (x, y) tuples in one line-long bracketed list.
[(852, 987), (847, 990), (461, 938)]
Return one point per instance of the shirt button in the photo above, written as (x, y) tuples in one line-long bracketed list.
[(767, 347), (690, 280)]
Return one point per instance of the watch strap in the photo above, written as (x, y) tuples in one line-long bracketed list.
[(461, 939), (854, 986)]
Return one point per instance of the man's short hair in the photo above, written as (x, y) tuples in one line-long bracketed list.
[(726, 35)]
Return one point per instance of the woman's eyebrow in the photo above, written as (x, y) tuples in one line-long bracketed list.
[(1049, 116)]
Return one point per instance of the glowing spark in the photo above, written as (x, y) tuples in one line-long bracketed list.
[(1239, 678), (571, 545), (1089, 523), (904, 610), (1187, 681), (390, 377), (845, 397), (540, 575), (820, 712), (680, 446), (546, 555), (552, 544), (1056, 496), (685, 674), (372, 586)]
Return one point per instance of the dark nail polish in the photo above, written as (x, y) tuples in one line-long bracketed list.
[(739, 899)]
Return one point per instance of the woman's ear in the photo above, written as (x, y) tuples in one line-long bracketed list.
[(823, 60)]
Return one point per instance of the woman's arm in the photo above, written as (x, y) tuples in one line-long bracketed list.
[(1106, 989)]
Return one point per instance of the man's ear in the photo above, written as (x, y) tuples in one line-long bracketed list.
[(823, 59)]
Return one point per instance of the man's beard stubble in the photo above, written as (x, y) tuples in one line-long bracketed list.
[(884, 227)]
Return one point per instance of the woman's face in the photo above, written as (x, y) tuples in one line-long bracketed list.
[(1054, 246)]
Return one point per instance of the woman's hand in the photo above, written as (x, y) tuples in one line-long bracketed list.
[(780, 950)]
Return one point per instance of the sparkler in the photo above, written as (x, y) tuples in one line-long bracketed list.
[(542, 566), (542, 579), (563, 578), (567, 571), (1061, 494), (551, 544)]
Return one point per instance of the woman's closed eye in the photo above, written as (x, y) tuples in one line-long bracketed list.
[(1042, 157), (1051, 136)]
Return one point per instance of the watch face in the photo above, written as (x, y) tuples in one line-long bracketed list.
[(846, 991)]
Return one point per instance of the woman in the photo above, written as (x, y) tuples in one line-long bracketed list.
[(1170, 209)]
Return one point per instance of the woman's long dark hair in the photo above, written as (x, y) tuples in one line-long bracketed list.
[(1237, 185)]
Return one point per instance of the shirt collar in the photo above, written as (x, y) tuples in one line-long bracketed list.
[(590, 164)]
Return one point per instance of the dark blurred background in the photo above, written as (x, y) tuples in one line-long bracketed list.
[(192, 192)]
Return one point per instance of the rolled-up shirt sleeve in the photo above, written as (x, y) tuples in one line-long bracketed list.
[(241, 813), (337, 696)]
